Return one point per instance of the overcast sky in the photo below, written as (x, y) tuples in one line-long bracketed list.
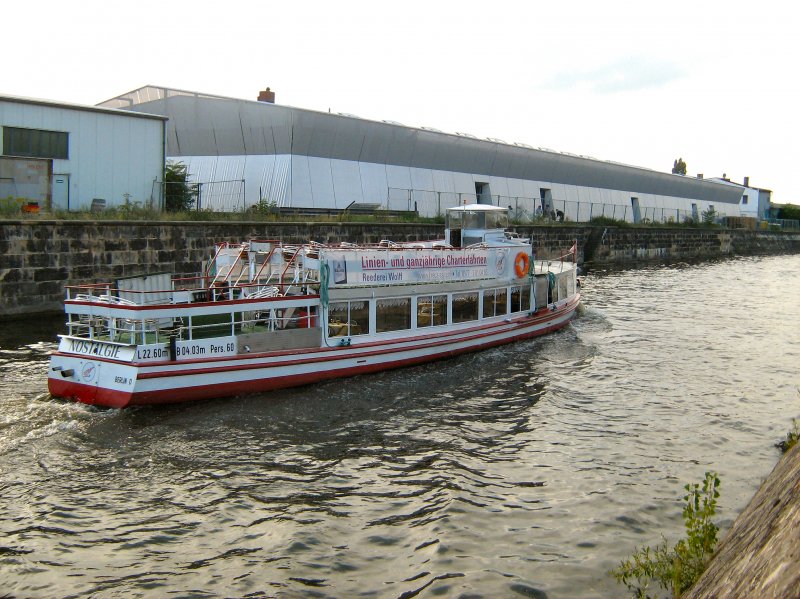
[(714, 82)]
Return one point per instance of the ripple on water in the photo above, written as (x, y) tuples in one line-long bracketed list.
[(526, 470)]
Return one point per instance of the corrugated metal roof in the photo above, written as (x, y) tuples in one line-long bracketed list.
[(209, 125), (83, 107)]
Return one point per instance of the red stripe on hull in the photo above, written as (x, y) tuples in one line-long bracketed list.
[(88, 394)]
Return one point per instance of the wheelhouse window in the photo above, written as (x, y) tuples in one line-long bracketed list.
[(35, 143), (563, 288), (393, 314), (348, 319), (520, 299), (497, 220), (431, 310), (465, 307), (495, 302)]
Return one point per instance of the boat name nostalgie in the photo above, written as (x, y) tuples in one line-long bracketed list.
[(98, 349)]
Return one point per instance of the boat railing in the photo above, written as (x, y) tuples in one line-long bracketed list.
[(250, 322), (86, 293), (184, 291), (264, 264)]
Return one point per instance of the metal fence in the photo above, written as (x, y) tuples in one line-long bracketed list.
[(214, 196), (229, 196), (526, 209), (792, 225)]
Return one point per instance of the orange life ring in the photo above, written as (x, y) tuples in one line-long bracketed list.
[(521, 264)]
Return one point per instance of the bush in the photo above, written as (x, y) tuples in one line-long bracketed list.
[(678, 568), (792, 437), (179, 194), (607, 221)]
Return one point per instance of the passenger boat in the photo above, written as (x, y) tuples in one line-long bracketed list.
[(266, 315)]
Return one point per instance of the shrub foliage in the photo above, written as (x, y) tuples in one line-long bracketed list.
[(676, 569)]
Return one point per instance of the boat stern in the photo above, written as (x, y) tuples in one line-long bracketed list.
[(80, 371)]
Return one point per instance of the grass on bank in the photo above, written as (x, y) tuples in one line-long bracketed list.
[(136, 212), (792, 437)]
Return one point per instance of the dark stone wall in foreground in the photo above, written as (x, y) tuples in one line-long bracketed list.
[(38, 258)]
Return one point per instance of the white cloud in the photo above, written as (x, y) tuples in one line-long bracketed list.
[(624, 75)]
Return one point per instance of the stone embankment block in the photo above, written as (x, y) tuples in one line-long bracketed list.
[(38, 258)]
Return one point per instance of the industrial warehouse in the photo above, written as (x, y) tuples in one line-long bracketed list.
[(73, 157), (243, 153)]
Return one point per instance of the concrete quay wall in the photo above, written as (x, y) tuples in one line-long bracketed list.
[(38, 258)]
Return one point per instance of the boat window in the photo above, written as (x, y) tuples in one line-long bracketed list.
[(465, 307), (495, 302), (496, 220), (520, 299), (431, 310), (347, 319), (393, 314), (454, 219), (474, 220), (562, 286)]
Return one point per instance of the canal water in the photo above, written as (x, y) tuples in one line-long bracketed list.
[(528, 470)]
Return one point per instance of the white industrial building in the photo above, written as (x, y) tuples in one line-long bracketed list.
[(73, 157), (754, 202), (244, 151)]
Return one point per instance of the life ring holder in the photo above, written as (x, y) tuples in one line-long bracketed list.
[(522, 264)]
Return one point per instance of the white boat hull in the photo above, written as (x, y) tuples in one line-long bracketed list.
[(99, 380)]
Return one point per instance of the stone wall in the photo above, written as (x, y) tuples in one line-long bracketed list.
[(38, 258)]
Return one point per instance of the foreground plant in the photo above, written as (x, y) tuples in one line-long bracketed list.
[(792, 437), (676, 569)]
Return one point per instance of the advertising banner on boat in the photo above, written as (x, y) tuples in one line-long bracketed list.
[(397, 267)]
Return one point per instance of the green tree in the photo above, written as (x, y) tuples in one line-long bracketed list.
[(679, 167), (179, 194), (709, 215), (789, 212)]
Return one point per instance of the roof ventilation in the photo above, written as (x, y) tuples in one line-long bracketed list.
[(266, 95)]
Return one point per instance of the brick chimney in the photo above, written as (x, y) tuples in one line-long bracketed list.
[(266, 96), (747, 181)]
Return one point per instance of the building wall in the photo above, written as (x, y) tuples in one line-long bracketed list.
[(309, 181), (112, 154), (304, 158)]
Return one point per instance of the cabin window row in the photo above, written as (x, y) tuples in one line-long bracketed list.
[(404, 313)]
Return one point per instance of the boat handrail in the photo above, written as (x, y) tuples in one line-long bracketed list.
[(271, 291)]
